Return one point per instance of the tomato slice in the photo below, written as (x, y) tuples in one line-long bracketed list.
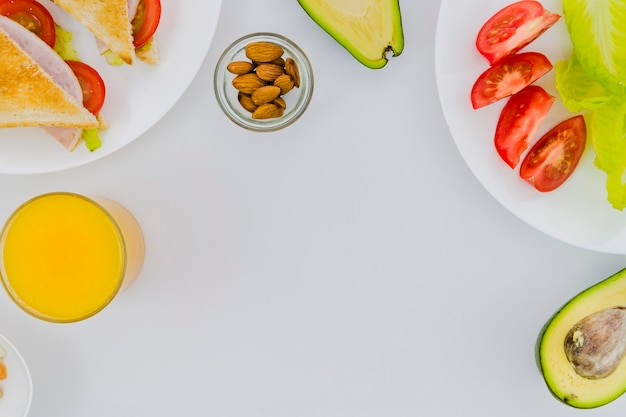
[(519, 120), (512, 28), (146, 21), (508, 77), (33, 16), (92, 84), (555, 156)]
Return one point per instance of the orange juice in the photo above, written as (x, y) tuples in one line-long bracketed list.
[(64, 256)]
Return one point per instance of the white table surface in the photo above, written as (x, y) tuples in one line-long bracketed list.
[(350, 265)]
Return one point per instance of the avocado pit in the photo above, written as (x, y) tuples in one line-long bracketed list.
[(596, 345)]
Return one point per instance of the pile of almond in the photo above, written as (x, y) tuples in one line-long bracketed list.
[(264, 79)]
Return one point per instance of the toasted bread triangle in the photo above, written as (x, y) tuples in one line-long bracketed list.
[(30, 97), (107, 20)]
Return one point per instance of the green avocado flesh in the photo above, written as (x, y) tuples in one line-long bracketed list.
[(368, 29), (562, 376)]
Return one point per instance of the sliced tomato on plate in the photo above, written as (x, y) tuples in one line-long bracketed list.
[(146, 21), (508, 77), (519, 120), (33, 16), (93, 87), (555, 156), (512, 28)]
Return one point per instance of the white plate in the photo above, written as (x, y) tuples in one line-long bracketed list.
[(577, 212), (137, 96), (18, 386)]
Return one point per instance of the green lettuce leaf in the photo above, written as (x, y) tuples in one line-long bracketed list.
[(92, 139), (598, 34), (63, 44), (607, 136), (112, 58), (616, 189), (578, 90), (606, 131)]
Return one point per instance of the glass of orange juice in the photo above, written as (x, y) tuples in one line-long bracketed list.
[(64, 256)]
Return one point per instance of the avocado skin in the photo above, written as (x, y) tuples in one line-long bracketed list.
[(572, 400), (394, 45)]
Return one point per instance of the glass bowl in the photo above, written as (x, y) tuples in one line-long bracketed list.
[(295, 101)]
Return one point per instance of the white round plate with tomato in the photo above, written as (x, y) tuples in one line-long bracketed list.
[(137, 96), (577, 212)]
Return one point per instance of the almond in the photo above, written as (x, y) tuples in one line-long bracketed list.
[(269, 72), (263, 51), (240, 67), (284, 82), (280, 102), (265, 94), (279, 61), (246, 102), (291, 68), (247, 83), (267, 111)]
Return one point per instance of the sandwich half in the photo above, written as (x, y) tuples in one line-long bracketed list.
[(37, 85), (110, 21), (38, 88)]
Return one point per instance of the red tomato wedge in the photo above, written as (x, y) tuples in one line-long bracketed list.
[(92, 84), (146, 21), (512, 28), (33, 16), (508, 77), (519, 120), (555, 156)]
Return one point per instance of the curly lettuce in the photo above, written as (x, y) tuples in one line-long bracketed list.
[(592, 81), (579, 91), (598, 33)]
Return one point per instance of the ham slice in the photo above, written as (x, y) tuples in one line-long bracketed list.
[(45, 56), (69, 137)]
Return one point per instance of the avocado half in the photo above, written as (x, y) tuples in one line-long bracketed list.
[(559, 374), (368, 29)]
